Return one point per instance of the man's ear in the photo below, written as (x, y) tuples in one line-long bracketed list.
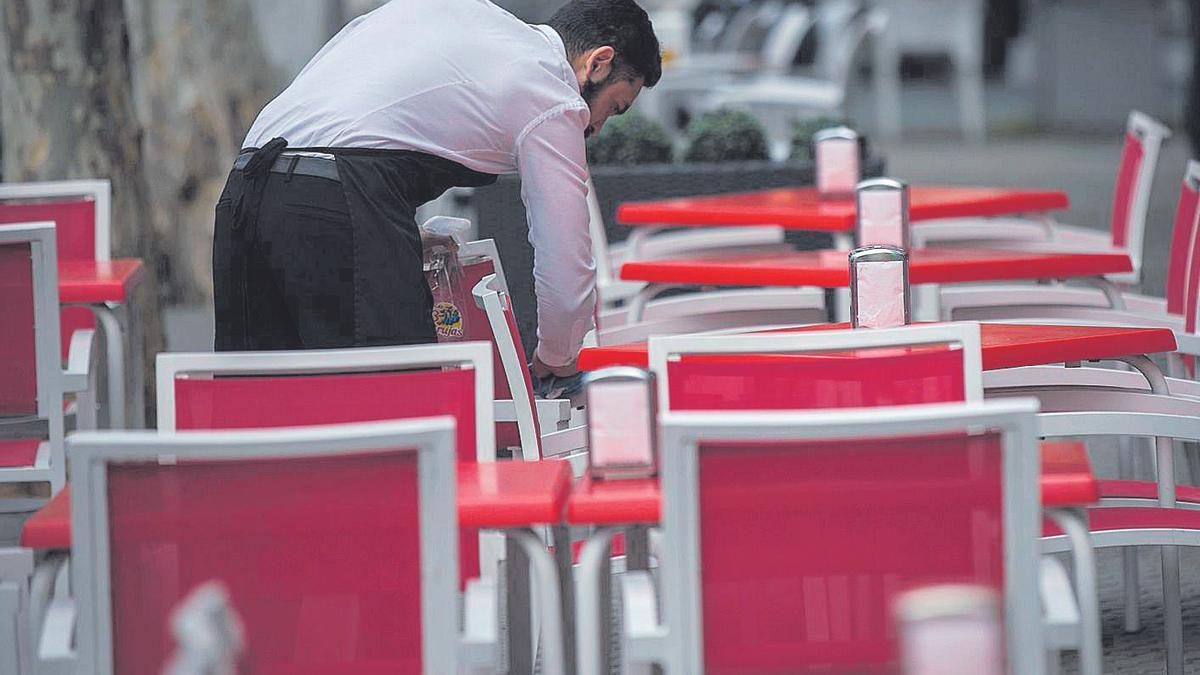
[(599, 64)]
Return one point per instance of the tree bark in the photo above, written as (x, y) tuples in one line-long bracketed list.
[(154, 95), (68, 113)]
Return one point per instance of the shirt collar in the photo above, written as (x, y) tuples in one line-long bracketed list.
[(555, 39)]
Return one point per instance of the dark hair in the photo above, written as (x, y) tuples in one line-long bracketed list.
[(620, 24)]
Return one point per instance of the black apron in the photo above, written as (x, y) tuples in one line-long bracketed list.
[(315, 253)]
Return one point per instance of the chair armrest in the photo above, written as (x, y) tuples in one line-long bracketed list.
[(76, 378), (551, 413), (565, 442)]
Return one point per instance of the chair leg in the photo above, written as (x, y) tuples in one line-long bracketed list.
[(1172, 609), (1129, 554), (114, 343)]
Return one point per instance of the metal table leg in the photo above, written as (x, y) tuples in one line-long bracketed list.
[(114, 343), (594, 601), (1165, 454), (564, 559), (516, 591)]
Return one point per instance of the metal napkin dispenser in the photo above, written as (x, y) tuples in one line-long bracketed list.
[(622, 423), (879, 289), (882, 213), (835, 151)]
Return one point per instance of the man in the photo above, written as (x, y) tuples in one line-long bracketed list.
[(316, 243)]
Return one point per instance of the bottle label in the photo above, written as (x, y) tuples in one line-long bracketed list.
[(448, 320)]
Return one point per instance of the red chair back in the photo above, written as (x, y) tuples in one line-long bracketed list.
[(798, 370), (1132, 157), (1183, 238), (75, 229), (322, 537), (320, 555), (504, 329), (248, 400), (837, 530), (868, 378), (478, 328), (18, 337)]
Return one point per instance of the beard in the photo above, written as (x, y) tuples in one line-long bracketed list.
[(589, 91)]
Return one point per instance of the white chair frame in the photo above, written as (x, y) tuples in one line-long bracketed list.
[(677, 641), (963, 334), (53, 383), (473, 355), (111, 317), (432, 439)]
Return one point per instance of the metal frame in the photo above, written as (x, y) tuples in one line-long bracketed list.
[(474, 355), (489, 299), (966, 334), (683, 432), (99, 191), (111, 317), (432, 439), (1164, 428), (994, 302), (51, 381), (485, 248)]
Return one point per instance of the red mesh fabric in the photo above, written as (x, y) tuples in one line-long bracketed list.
[(866, 378), (321, 557), (282, 401), (75, 234), (1131, 165), (803, 548), (478, 328), (18, 453), (1192, 302), (18, 353), (1182, 240)]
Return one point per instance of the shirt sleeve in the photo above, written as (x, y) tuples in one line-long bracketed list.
[(552, 163)]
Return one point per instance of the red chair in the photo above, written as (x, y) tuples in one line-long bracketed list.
[(337, 544), (520, 418), (1080, 305), (932, 363), (255, 390), (531, 415), (81, 211), (34, 383), (767, 566), (1144, 137)]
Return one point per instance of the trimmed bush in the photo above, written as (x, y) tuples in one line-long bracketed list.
[(802, 133), (628, 140), (726, 136)]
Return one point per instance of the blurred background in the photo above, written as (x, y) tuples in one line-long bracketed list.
[(158, 94)]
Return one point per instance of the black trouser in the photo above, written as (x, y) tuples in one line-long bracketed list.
[(325, 256)]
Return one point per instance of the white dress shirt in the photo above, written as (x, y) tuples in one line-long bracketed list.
[(467, 81)]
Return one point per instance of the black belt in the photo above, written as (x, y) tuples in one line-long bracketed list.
[(305, 165)]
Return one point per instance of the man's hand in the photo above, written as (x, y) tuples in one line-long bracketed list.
[(541, 371), (429, 240)]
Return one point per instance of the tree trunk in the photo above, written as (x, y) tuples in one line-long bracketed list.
[(199, 78), (155, 95), (68, 113)]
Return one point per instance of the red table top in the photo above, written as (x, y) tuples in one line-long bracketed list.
[(804, 209), (93, 281), (490, 496), (830, 268), (1002, 345), (1067, 480)]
